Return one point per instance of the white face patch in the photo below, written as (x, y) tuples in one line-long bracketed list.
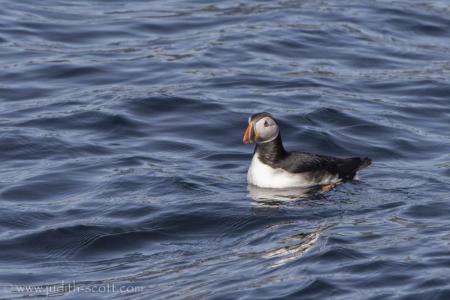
[(266, 129)]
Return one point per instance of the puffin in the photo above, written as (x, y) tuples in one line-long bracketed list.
[(274, 167)]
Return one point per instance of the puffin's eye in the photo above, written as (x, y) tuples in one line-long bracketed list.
[(266, 123)]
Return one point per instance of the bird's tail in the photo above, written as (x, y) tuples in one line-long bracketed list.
[(365, 162), (350, 166)]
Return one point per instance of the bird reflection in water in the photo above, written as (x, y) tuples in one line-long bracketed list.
[(296, 245), (285, 254), (276, 197)]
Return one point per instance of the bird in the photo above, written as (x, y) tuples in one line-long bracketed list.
[(274, 167)]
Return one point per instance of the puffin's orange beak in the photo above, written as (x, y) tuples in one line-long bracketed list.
[(247, 138)]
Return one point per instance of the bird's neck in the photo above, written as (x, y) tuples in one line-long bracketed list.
[(271, 152)]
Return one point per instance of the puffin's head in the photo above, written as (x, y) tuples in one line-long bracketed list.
[(262, 128)]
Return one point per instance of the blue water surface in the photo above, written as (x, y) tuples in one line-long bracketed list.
[(123, 163)]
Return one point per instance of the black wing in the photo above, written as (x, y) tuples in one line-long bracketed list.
[(346, 168)]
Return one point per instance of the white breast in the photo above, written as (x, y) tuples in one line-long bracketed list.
[(264, 176)]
